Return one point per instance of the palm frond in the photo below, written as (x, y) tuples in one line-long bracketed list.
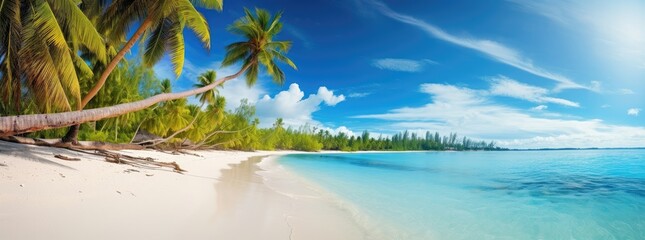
[(118, 17), (66, 73), (194, 20), (72, 18), (281, 57), (44, 20), (42, 76), (156, 44), (209, 4), (236, 52), (176, 48), (10, 41)]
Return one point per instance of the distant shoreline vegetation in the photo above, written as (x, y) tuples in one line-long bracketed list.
[(565, 149)]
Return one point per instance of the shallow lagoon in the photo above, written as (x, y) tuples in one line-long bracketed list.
[(577, 194)]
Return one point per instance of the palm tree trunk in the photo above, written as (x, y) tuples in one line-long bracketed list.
[(72, 133), (12, 125)]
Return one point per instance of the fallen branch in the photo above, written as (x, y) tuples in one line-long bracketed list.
[(63, 157), (100, 149), (137, 161)]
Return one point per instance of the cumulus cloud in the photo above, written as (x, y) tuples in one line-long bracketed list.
[(397, 64), (504, 86), (633, 111), (471, 113), (292, 106), (492, 49)]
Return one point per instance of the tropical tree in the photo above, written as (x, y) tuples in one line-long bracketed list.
[(204, 80), (39, 40), (164, 20), (259, 49)]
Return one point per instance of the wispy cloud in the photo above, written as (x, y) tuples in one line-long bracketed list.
[(298, 34), (359, 94), (492, 49), (504, 86), (633, 111), (472, 113), (540, 108), (399, 64)]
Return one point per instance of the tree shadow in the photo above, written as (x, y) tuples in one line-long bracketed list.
[(35, 153)]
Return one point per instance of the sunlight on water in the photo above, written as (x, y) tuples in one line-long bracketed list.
[(591, 194)]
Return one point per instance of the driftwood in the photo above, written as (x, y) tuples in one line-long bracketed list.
[(99, 149), (63, 157), (83, 145), (137, 161)]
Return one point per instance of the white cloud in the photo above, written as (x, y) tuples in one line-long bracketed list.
[(540, 108), (492, 49), (292, 107), (504, 86), (358, 94), (327, 96), (236, 90), (336, 131), (633, 111), (397, 64), (605, 106), (471, 113)]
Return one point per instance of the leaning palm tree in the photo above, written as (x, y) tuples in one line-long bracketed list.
[(259, 49), (39, 40), (163, 21)]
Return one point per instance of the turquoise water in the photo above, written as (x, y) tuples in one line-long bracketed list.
[(587, 194)]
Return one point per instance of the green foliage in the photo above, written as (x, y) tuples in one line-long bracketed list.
[(259, 49), (39, 40)]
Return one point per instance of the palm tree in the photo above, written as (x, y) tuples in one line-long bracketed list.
[(259, 49), (166, 19), (206, 79), (39, 40)]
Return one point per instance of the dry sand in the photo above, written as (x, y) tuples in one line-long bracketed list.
[(221, 196)]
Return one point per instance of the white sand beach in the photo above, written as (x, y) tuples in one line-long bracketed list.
[(220, 196)]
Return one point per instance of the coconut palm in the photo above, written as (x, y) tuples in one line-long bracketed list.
[(206, 79), (162, 22), (258, 50), (166, 19), (39, 40)]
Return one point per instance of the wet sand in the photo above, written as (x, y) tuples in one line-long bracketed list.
[(254, 203)]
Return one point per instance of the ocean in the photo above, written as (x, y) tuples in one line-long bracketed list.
[(573, 194)]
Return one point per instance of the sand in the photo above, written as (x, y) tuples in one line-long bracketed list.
[(221, 196)]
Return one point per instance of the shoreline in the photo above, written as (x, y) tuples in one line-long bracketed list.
[(259, 194), (42, 197)]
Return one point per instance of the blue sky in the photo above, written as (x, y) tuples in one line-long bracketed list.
[(523, 73)]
